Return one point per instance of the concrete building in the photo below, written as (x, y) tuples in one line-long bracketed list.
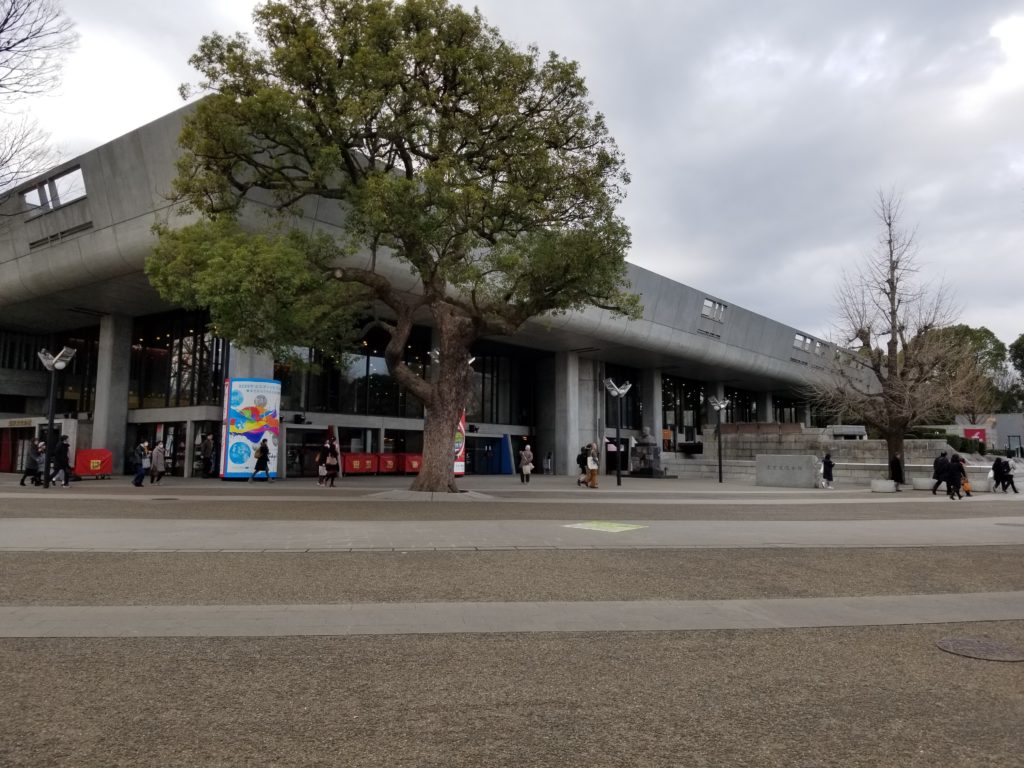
[(71, 273)]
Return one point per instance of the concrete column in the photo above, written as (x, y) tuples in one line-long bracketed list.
[(249, 364), (113, 365), (765, 407), (567, 412), (650, 380)]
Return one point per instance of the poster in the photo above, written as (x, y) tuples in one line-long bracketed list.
[(459, 448), (251, 414), (974, 433)]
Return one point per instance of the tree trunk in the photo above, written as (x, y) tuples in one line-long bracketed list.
[(894, 445), (448, 397)]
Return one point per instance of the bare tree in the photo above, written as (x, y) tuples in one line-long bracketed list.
[(34, 36), (896, 369)]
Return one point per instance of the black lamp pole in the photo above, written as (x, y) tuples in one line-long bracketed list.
[(719, 445), (47, 464), (618, 441)]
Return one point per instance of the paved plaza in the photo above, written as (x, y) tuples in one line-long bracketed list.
[(657, 623)]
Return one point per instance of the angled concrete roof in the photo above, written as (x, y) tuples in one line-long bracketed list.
[(63, 268)]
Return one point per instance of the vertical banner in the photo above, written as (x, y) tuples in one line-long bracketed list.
[(252, 414), (459, 447)]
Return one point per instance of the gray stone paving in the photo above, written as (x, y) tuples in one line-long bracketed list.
[(131, 535), (474, 617)]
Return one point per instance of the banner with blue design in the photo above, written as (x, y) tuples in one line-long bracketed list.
[(252, 413)]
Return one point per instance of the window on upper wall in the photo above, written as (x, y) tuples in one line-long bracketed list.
[(802, 342), (714, 310), (819, 347), (54, 192)]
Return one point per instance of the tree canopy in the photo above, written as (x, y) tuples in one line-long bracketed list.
[(483, 169)]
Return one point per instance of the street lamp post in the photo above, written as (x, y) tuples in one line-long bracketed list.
[(53, 364), (617, 393), (719, 406)]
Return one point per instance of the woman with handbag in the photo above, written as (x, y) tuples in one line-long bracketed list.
[(331, 465), (593, 464), (525, 464)]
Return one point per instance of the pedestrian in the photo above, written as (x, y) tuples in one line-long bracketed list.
[(896, 470), (62, 462), (206, 454), (995, 476), (593, 464), (157, 464), (525, 464), (332, 462), (826, 471), (33, 459), (954, 474), (581, 463), (965, 482), (262, 461), (549, 464), (1008, 476), (939, 467), (141, 462)]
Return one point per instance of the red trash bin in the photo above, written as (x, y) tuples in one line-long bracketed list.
[(387, 463), (94, 462), (409, 463), (359, 463)]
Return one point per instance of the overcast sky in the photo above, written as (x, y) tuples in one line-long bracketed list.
[(757, 133)]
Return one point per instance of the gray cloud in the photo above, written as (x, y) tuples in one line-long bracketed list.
[(757, 134)]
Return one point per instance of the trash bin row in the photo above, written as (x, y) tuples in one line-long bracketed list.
[(381, 463)]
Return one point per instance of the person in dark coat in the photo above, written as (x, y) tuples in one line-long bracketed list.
[(141, 463), (826, 471), (998, 475), (33, 459), (62, 462), (1008, 476), (581, 462), (262, 461), (955, 473), (896, 470), (939, 471)]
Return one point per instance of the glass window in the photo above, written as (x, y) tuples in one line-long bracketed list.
[(713, 310)]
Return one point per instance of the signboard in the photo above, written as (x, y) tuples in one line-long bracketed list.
[(973, 433), (459, 447), (251, 414)]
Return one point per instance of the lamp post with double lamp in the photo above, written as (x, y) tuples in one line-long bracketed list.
[(719, 406), (618, 393), (53, 364)]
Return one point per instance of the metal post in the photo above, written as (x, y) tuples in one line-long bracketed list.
[(719, 445), (618, 442), (47, 464)]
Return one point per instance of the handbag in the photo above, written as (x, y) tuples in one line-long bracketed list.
[(591, 462), (321, 470), (146, 463)]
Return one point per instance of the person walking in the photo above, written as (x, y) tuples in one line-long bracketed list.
[(525, 464), (262, 461), (593, 464), (965, 482), (826, 471), (581, 462), (206, 454), (1008, 476), (157, 464), (331, 462), (896, 470), (939, 467), (141, 462), (62, 462), (954, 473), (33, 459)]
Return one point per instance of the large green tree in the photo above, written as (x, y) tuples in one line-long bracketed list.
[(431, 142), (900, 366), (980, 352)]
